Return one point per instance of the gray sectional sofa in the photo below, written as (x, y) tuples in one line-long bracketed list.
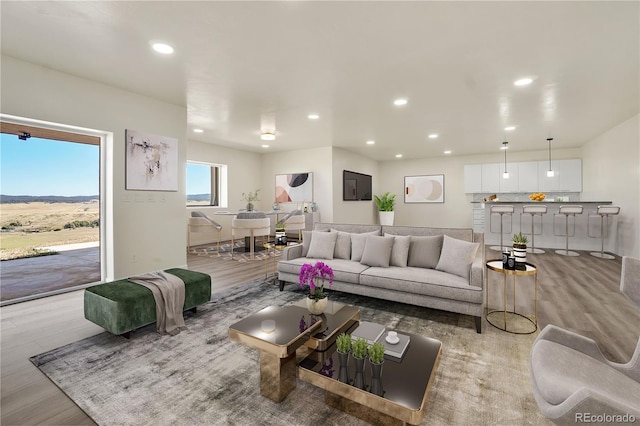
[(440, 268)]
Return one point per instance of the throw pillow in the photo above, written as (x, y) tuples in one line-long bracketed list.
[(400, 250), (322, 245), (457, 256), (343, 245), (306, 241), (424, 252), (357, 244), (377, 251)]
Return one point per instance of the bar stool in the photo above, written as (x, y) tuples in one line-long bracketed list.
[(567, 211), (502, 211), (533, 210), (604, 212)]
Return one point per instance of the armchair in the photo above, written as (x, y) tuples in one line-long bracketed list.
[(572, 379), (201, 223), (249, 224)]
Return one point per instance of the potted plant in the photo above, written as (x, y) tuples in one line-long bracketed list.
[(385, 204), (281, 234), (343, 343), (376, 357), (359, 350), (520, 250), (315, 277), (250, 197)]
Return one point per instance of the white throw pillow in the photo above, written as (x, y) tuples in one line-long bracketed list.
[(457, 256), (343, 245), (357, 244), (377, 251), (322, 245), (400, 250)]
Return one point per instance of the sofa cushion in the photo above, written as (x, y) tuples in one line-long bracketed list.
[(306, 241), (343, 245), (322, 244), (457, 256), (357, 244), (400, 250), (560, 371), (428, 282), (343, 270), (424, 252), (377, 251)]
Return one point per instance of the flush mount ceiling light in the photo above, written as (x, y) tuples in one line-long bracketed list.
[(505, 175), (433, 136), (371, 142), (550, 172), (198, 130), (523, 81), (267, 135), (163, 48), (313, 116), (400, 102)]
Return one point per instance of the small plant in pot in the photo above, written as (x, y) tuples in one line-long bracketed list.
[(520, 250), (359, 350), (376, 357), (385, 204), (281, 234), (250, 197), (343, 344)]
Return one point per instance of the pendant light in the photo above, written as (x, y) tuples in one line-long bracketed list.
[(550, 172), (505, 175)]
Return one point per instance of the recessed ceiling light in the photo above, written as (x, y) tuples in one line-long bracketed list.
[(313, 116), (523, 81), (510, 128), (265, 146), (163, 48), (371, 142), (398, 155), (198, 130), (399, 102), (267, 135), (433, 136), (447, 152)]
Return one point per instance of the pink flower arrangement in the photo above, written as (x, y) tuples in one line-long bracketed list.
[(315, 276)]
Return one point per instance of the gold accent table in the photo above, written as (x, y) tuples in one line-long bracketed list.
[(406, 383), (271, 247), (531, 270), (277, 332)]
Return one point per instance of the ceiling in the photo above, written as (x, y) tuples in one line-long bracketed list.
[(239, 67)]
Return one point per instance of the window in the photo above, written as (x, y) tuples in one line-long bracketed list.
[(206, 184)]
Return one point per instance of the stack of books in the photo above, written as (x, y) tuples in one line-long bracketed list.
[(372, 333)]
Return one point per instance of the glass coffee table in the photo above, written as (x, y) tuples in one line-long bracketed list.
[(277, 332), (406, 383)]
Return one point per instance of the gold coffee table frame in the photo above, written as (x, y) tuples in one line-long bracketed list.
[(497, 266)]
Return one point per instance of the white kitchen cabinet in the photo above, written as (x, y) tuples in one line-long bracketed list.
[(528, 176), (567, 176), (546, 183), (472, 178), (491, 176)]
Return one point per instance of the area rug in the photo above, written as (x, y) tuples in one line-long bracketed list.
[(201, 377)]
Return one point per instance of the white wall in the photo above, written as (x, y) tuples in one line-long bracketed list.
[(353, 211), (244, 174), (148, 225), (317, 161), (611, 171)]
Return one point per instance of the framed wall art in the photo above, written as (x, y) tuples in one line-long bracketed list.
[(424, 189), (151, 162), (294, 188)]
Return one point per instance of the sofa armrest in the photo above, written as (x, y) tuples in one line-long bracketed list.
[(292, 252), (476, 277), (572, 340)]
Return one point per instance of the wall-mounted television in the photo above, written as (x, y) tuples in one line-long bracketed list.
[(356, 186)]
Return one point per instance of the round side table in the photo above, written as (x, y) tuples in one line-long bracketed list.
[(271, 247), (496, 265)]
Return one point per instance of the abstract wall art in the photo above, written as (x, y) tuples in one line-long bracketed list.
[(151, 162), (294, 188), (424, 189)]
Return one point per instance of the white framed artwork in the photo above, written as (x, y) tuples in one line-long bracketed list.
[(424, 189), (294, 188), (151, 162)]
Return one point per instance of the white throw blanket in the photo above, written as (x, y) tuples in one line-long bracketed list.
[(168, 292)]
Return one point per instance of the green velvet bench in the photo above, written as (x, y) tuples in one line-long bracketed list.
[(122, 306)]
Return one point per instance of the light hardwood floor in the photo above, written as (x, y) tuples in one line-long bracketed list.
[(577, 293)]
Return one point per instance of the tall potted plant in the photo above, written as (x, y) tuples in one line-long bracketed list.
[(385, 204), (343, 343), (376, 358), (359, 350)]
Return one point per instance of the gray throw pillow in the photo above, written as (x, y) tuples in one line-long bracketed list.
[(400, 250), (357, 244), (377, 251), (322, 245), (306, 242), (424, 252), (343, 245), (457, 256)]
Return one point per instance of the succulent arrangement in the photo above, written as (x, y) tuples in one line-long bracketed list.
[(359, 348), (376, 353), (520, 239), (343, 342)]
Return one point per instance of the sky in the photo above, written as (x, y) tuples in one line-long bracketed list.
[(47, 167), (198, 178)]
